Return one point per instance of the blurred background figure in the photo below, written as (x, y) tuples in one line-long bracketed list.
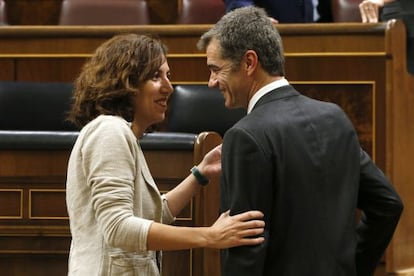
[(370, 10), (3, 20), (294, 11), (373, 11)]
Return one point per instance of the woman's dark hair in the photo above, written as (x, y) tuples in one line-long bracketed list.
[(113, 75)]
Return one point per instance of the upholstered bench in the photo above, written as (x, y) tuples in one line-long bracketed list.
[(194, 108), (32, 116)]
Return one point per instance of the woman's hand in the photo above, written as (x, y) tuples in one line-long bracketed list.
[(242, 229), (210, 166), (369, 10)]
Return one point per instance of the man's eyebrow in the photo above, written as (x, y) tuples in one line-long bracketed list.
[(213, 66)]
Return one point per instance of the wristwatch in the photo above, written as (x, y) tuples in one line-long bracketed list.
[(201, 179)]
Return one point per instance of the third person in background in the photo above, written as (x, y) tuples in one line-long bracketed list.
[(373, 11), (292, 11)]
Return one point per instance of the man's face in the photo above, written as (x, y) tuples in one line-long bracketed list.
[(232, 82)]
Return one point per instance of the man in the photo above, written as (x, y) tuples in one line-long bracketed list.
[(297, 160)]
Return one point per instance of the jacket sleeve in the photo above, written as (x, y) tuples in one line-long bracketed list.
[(234, 4), (167, 217), (111, 183), (246, 185), (381, 208)]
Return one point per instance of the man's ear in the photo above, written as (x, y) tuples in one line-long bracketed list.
[(251, 61)]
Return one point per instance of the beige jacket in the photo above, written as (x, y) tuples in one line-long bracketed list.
[(112, 200)]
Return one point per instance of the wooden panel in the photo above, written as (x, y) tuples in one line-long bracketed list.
[(33, 265), (188, 68), (32, 245), (33, 215), (48, 69), (177, 263), (170, 165), (349, 66), (11, 204), (47, 244), (54, 197), (400, 150), (7, 69), (33, 163)]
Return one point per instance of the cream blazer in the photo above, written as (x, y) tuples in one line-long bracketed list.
[(111, 200)]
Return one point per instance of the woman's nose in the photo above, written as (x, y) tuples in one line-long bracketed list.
[(167, 87)]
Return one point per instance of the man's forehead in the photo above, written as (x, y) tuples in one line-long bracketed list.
[(213, 47)]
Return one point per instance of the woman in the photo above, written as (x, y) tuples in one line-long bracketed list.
[(116, 212)]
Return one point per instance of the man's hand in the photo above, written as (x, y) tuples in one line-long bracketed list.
[(369, 10)]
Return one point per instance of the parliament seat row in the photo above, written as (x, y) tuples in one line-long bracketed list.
[(135, 12), (79, 12), (360, 67), (140, 12), (132, 12)]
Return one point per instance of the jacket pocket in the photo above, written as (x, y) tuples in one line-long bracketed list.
[(132, 266)]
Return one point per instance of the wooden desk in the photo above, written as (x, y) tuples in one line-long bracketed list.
[(359, 66), (34, 229)]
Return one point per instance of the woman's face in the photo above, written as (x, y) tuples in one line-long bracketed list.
[(150, 103)]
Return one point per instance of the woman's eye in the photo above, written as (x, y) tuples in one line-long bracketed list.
[(156, 76)]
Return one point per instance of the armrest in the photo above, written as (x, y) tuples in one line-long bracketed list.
[(168, 141), (49, 140), (37, 140)]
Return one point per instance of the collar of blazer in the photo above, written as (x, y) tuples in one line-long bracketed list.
[(277, 94)]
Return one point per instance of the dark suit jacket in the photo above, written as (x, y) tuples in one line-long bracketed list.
[(285, 11), (299, 161)]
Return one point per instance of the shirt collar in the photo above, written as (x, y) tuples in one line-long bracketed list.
[(264, 90)]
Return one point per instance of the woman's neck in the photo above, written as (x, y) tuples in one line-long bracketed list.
[(138, 132)]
